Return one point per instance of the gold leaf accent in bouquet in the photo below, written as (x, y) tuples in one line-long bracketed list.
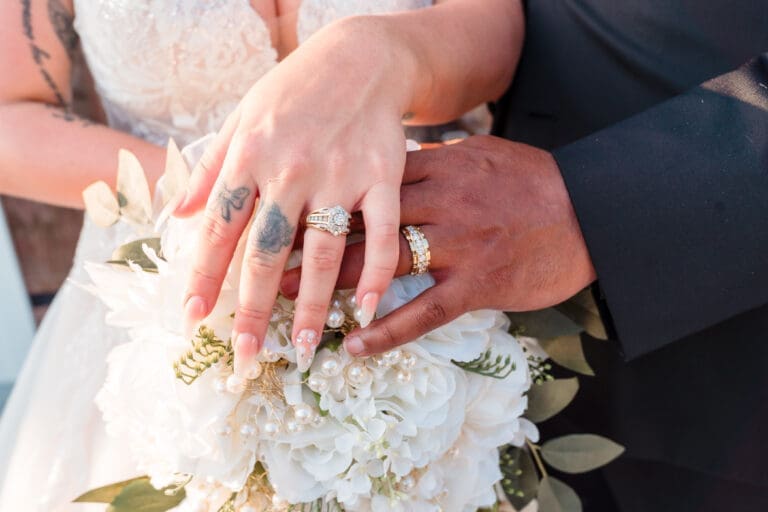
[(206, 351)]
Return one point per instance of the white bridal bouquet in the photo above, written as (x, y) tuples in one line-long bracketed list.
[(435, 425)]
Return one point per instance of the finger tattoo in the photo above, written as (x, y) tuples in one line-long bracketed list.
[(229, 200), (273, 231)]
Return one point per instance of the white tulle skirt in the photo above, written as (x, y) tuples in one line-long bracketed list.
[(53, 445)]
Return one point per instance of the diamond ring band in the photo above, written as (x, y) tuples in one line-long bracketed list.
[(334, 220), (419, 249)]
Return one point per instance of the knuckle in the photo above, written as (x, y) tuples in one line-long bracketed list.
[(253, 313), (260, 263), (312, 309), (431, 315), (386, 336), (323, 259), (203, 278), (215, 233)]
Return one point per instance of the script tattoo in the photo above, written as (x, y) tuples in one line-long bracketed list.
[(229, 200), (62, 22), (273, 229)]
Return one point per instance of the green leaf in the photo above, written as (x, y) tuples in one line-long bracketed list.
[(519, 477), (582, 309), (550, 397), (134, 252), (579, 453), (140, 496), (556, 496), (543, 324), (568, 352), (107, 493)]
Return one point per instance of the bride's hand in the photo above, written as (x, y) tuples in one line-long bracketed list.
[(502, 235), (323, 128)]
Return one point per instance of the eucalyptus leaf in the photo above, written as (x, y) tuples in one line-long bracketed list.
[(140, 496), (519, 477), (543, 324), (579, 453), (134, 252), (567, 351), (176, 176), (582, 309), (556, 496), (108, 493), (101, 204), (133, 189), (550, 397)]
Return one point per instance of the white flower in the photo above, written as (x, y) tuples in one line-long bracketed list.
[(409, 430)]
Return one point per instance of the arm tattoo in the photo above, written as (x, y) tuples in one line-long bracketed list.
[(229, 200), (60, 19), (62, 22), (273, 231)]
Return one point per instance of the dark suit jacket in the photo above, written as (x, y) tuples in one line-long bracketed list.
[(657, 114)]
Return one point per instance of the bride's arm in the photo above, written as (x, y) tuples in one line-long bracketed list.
[(465, 52), (46, 152)]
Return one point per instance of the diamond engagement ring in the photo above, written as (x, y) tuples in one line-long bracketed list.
[(419, 249), (334, 220)]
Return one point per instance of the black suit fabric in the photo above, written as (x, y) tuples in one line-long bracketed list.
[(657, 114)]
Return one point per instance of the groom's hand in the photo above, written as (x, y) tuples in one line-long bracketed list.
[(502, 234)]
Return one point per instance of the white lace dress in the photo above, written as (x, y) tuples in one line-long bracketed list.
[(162, 68)]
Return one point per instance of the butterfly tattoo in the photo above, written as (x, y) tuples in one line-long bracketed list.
[(231, 200)]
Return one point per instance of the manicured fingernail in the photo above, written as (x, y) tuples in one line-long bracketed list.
[(246, 352), (306, 343), (194, 310), (367, 309), (289, 285), (354, 345)]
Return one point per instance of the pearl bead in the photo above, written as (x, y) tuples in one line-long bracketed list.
[(331, 367), (352, 301), (317, 384), (335, 318), (235, 384), (403, 376), (358, 314), (318, 420), (303, 413), (358, 374), (248, 508), (409, 360), (407, 483), (224, 430), (292, 426), (247, 430), (336, 303), (253, 372), (269, 356), (220, 384), (393, 356), (271, 428)]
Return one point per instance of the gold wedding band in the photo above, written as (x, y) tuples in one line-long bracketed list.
[(419, 249), (334, 220)]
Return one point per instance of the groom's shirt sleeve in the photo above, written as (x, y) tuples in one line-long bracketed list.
[(673, 205)]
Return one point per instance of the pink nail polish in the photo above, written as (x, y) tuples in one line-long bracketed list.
[(306, 343), (194, 311), (367, 310), (246, 350), (354, 345)]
